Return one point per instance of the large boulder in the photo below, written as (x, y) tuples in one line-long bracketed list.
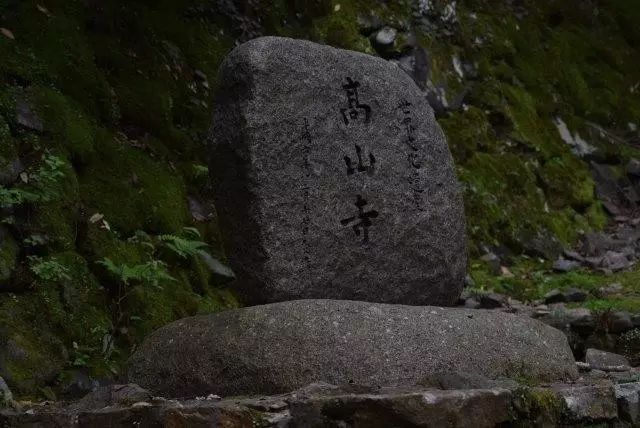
[(280, 347), (333, 179)]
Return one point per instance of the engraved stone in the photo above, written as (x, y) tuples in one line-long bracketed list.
[(333, 179)]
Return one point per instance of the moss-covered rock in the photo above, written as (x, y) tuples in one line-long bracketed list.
[(537, 406), (45, 327), (133, 190), (68, 127)]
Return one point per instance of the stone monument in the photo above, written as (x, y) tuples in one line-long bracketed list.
[(335, 184), (333, 179)]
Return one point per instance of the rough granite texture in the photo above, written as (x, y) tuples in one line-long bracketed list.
[(333, 179), (279, 347)]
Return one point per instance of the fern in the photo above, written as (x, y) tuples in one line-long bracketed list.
[(184, 247), (43, 184), (152, 272), (48, 270)]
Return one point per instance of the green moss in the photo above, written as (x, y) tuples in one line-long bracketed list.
[(539, 406), (70, 129), (339, 28), (151, 307), (30, 356), (99, 243), (500, 187), (76, 306), (58, 219), (567, 182), (9, 251), (57, 41), (596, 216), (467, 132), (40, 327), (133, 191), (5, 136)]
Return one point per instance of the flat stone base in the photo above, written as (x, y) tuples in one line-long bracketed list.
[(280, 347)]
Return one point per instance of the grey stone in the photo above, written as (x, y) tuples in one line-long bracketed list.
[(592, 403), (432, 408), (6, 396), (493, 262), (596, 244), (619, 322), (606, 361), (333, 179), (216, 267), (386, 37), (26, 116), (635, 320), (113, 395), (465, 381), (437, 98), (610, 290), (615, 261), (279, 347), (633, 167), (573, 255), (574, 295), (581, 320), (469, 282), (545, 244), (78, 383), (472, 303), (554, 296), (417, 64), (492, 300), (564, 265), (628, 396), (10, 169)]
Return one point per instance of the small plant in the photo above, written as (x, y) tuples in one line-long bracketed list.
[(184, 247), (81, 356), (41, 185), (129, 277), (151, 272), (200, 171), (46, 179), (49, 270), (36, 240)]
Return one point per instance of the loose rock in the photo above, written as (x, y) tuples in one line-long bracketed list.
[(27, 117), (492, 301), (6, 396), (619, 322), (563, 265), (574, 295), (628, 396), (589, 402), (606, 361), (487, 408), (554, 296)]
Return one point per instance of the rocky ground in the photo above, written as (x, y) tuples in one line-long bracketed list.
[(607, 394)]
